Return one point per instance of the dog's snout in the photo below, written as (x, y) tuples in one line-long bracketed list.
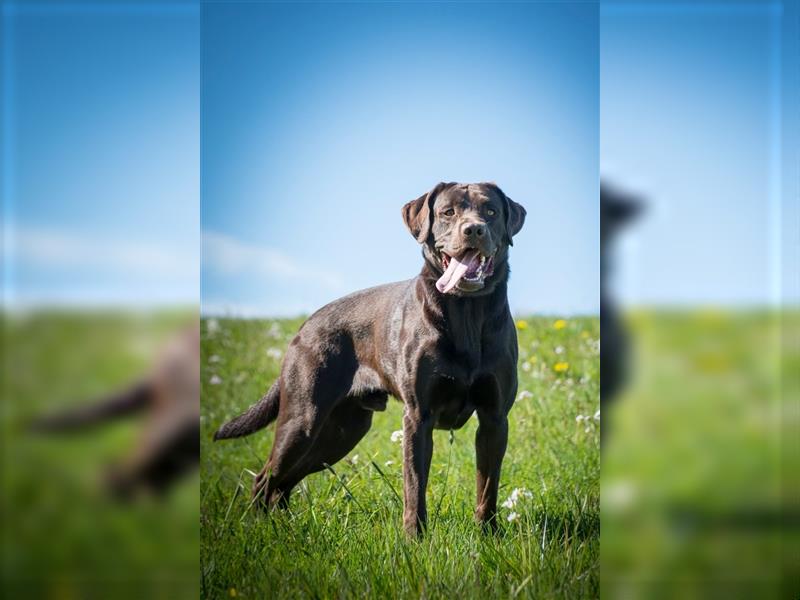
[(473, 231)]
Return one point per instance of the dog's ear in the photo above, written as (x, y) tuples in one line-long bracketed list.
[(418, 214), (515, 218), (618, 208), (515, 214)]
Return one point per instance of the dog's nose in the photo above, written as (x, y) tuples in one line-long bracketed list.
[(473, 231)]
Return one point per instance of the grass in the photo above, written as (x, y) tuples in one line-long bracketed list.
[(703, 456), (700, 478), (62, 536), (342, 536)]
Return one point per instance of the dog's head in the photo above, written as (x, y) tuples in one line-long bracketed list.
[(617, 210), (465, 231)]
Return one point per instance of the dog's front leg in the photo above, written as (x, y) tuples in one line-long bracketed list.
[(417, 451), (491, 440)]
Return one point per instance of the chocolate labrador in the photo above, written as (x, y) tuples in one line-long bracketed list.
[(618, 210), (443, 343), (169, 441)]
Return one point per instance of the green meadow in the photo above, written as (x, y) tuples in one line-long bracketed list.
[(62, 535), (699, 474), (342, 535)]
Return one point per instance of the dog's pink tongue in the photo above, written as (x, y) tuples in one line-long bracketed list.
[(455, 271)]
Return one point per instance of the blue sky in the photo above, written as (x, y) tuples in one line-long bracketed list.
[(100, 142), (320, 121), (691, 119)]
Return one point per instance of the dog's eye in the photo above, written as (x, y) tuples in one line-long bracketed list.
[(490, 212), (449, 212)]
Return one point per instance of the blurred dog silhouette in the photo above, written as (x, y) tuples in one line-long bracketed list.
[(617, 210), (169, 442)]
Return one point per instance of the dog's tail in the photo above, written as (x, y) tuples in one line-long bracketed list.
[(258, 416), (121, 404)]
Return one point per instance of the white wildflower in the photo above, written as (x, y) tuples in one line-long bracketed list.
[(388, 463), (526, 366), (518, 493), (587, 421), (524, 395), (215, 380), (559, 350), (212, 326), (620, 494), (274, 353), (512, 516), (397, 436), (354, 459), (514, 498), (213, 358)]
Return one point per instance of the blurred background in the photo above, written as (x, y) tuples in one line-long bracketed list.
[(700, 463), (100, 280)]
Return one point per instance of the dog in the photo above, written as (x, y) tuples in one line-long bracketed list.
[(169, 441), (443, 343), (617, 210)]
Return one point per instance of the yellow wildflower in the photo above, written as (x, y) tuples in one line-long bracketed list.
[(522, 324), (232, 592), (560, 367), (560, 324), (584, 334)]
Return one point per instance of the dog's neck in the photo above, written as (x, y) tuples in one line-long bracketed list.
[(466, 319)]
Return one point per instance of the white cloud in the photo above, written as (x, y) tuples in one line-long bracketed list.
[(219, 308), (229, 256), (52, 267), (60, 250)]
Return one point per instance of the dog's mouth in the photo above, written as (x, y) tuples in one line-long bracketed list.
[(468, 272)]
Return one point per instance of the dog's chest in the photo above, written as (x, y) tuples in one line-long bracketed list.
[(454, 399)]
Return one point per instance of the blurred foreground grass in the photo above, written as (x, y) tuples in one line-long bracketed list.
[(342, 535), (700, 478), (62, 536)]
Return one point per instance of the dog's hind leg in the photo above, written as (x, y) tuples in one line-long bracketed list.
[(318, 373), (346, 426), (294, 438), (343, 429)]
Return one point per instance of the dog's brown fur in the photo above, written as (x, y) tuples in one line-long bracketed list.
[(169, 441)]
